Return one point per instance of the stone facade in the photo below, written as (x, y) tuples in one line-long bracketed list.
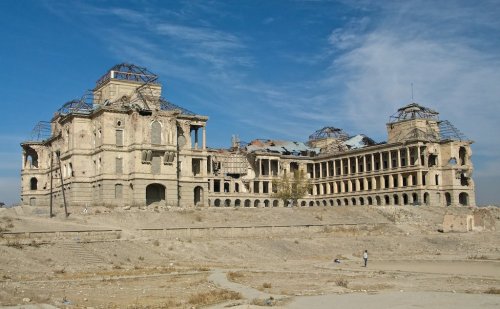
[(123, 144)]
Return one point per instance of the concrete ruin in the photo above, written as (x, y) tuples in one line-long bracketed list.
[(124, 144)]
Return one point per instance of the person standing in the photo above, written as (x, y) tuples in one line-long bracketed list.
[(365, 257)]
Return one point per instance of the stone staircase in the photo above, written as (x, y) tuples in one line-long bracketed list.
[(76, 249)]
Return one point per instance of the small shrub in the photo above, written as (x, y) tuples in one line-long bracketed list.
[(97, 211), (141, 258), (170, 248), (232, 275), (156, 242), (296, 241), (213, 297), (266, 285), (15, 244), (342, 282), (492, 291)]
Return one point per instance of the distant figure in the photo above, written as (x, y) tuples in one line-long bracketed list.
[(336, 261), (365, 257)]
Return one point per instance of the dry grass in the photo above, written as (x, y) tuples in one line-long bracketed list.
[(156, 242), (267, 285), (232, 276), (213, 297), (14, 244), (492, 291), (342, 282)]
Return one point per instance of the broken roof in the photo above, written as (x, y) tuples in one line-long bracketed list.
[(414, 111), (128, 71), (279, 146)]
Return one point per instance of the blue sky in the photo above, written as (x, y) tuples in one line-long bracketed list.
[(261, 69)]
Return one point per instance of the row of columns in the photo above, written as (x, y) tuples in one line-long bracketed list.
[(369, 183), (318, 172)]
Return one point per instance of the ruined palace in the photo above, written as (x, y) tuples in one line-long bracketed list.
[(124, 144)]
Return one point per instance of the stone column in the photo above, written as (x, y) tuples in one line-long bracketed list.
[(381, 163), (408, 156), (391, 181), (399, 157), (382, 182), (364, 163), (373, 162), (349, 166), (349, 186), (400, 180), (196, 138), (356, 168), (417, 162), (365, 183), (341, 166), (389, 159), (334, 169), (204, 138), (409, 180), (419, 178)]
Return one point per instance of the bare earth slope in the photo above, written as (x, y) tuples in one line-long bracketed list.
[(178, 258)]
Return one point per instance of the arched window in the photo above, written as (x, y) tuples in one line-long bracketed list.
[(156, 133), (33, 183)]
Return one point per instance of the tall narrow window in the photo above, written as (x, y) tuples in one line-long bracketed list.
[(119, 138), (118, 191), (119, 166), (156, 133)]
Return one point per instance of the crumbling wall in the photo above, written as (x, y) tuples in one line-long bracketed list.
[(484, 220), (458, 223)]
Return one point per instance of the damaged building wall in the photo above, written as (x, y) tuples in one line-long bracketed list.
[(124, 144)]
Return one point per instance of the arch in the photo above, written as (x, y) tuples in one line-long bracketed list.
[(414, 198), (361, 201), (426, 198), (276, 203), (156, 133), (346, 202), (405, 199), (387, 200), (237, 203), (227, 202), (396, 199), (325, 203), (318, 203), (266, 203), (339, 202), (217, 202), (311, 203), (198, 196), (32, 201), (155, 192), (378, 201), (248, 203), (370, 200), (332, 203), (463, 199), (33, 183), (226, 187), (256, 203), (447, 196), (353, 201), (236, 187), (303, 203), (462, 155)]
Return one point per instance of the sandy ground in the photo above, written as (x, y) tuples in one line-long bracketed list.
[(411, 264)]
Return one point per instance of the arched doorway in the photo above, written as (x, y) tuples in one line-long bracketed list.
[(447, 196), (155, 192), (198, 196)]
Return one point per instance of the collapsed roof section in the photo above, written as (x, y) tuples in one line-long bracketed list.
[(130, 72), (281, 147), (414, 111), (84, 105), (41, 131), (329, 132)]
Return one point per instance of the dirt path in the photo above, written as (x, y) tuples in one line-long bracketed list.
[(219, 277), (397, 300)]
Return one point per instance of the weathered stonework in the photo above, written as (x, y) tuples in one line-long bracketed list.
[(123, 144)]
